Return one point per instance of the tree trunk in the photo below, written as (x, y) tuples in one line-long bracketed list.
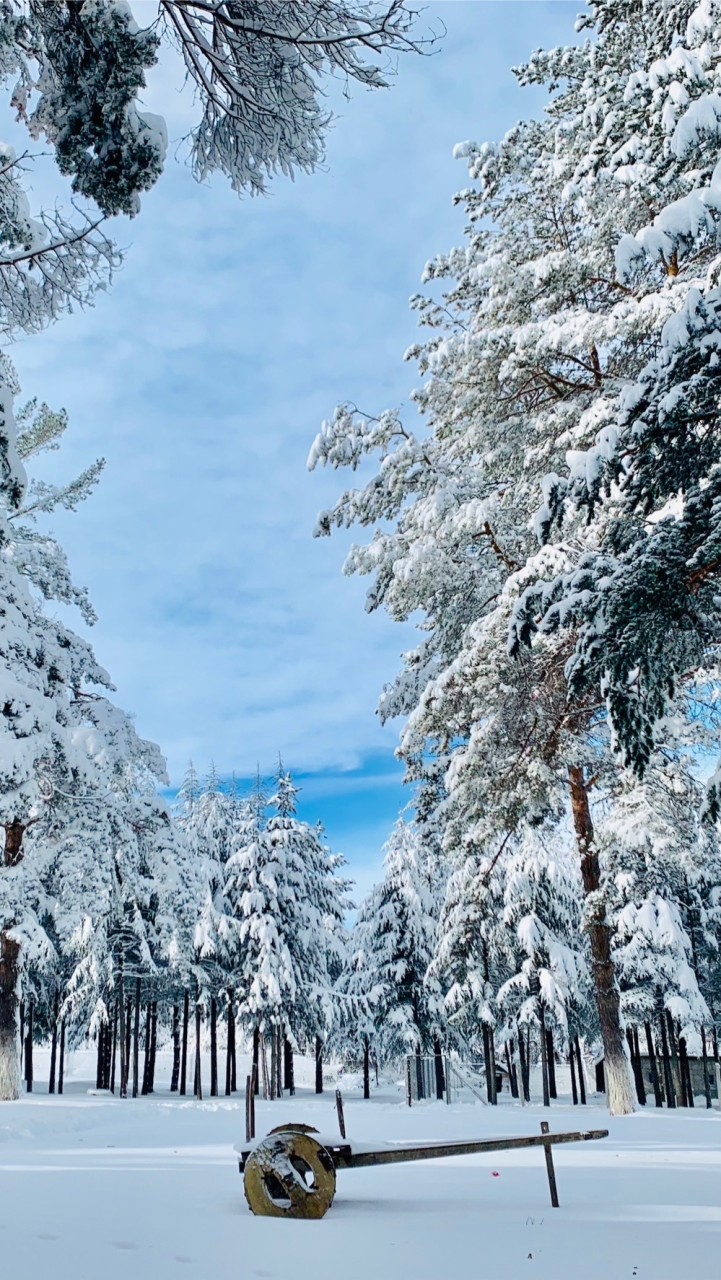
[(61, 1064), (572, 1062), (10, 1047), (9, 1031), (29, 1046), (122, 1031), (657, 1092), (544, 1057), (256, 1057), (184, 1053), (145, 1087), (289, 1068), (227, 1045), (618, 1083), (136, 1038), (641, 1086), (233, 1053), (440, 1073), (273, 1065), (99, 1057), (551, 1063), (668, 1078), (685, 1072), (128, 1037), (175, 1074), (114, 1047), (153, 1045), (525, 1074), (198, 1086), (511, 1068), (318, 1065), (678, 1079), (366, 1068), (581, 1072), (636, 1067), (706, 1082), (213, 1047), (54, 1044)]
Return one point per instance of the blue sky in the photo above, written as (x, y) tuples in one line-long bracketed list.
[(233, 329)]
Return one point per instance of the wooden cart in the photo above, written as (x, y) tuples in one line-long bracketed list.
[(291, 1173)]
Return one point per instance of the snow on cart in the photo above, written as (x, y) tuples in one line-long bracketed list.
[(291, 1173)]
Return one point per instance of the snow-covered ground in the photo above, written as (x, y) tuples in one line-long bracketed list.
[(96, 1188)]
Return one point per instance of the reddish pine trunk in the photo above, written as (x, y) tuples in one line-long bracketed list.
[(618, 1082)]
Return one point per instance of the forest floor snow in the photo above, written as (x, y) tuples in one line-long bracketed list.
[(98, 1189)]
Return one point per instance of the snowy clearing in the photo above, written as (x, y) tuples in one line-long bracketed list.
[(94, 1187)]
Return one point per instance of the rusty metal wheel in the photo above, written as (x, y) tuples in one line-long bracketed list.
[(289, 1175)]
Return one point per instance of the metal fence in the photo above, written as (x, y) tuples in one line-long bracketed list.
[(442, 1077)]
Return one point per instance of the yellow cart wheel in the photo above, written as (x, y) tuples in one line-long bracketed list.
[(289, 1175)]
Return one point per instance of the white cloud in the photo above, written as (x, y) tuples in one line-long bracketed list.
[(233, 328)]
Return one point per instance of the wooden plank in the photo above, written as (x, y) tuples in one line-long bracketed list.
[(549, 1166), (350, 1159)]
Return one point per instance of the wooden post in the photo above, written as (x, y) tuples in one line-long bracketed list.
[(54, 1044), (61, 1064), (339, 1109), (184, 1046), (549, 1167), (213, 1047), (653, 1065)]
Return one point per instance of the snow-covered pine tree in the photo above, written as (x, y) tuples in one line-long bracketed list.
[(391, 948), (528, 336), (284, 893), (77, 788), (79, 70), (549, 980)]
